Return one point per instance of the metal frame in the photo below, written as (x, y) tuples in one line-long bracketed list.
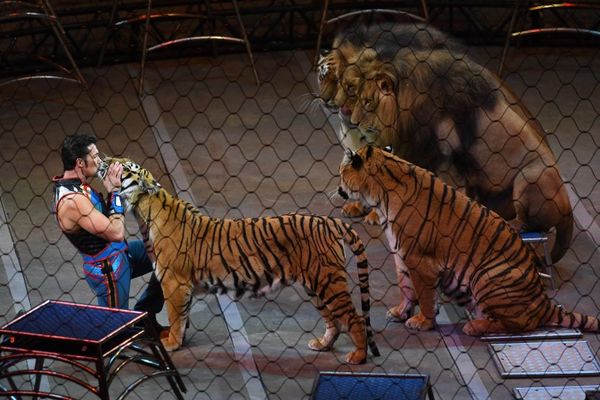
[(43, 11), (554, 7), (579, 347), (324, 21), (570, 392), (100, 358), (541, 238), (149, 17), (554, 334), (278, 26), (426, 392)]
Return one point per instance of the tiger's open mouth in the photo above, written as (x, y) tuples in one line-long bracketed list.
[(102, 170)]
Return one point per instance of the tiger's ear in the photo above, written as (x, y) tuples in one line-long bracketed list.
[(147, 182), (356, 161), (149, 185)]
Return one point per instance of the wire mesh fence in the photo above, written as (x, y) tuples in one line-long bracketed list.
[(237, 149)]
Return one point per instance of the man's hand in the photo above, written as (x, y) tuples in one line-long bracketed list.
[(112, 180)]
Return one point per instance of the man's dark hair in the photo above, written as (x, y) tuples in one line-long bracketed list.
[(74, 147)]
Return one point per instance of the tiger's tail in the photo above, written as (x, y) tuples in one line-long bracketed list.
[(358, 249), (567, 319)]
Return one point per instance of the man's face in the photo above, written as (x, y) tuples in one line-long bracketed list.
[(91, 161)]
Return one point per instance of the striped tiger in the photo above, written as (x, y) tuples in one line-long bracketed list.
[(441, 237), (193, 251)]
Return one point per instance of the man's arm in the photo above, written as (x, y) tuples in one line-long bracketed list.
[(77, 211)]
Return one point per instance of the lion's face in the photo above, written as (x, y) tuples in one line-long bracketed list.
[(351, 78), (375, 109), (330, 69)]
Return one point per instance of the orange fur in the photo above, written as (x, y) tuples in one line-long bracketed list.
[(441, 237), (440, 110), (192, 251)]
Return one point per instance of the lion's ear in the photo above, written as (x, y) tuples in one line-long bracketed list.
[(385, 84)]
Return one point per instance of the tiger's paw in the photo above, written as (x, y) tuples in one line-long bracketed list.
[(420, 322), (326, 342), (172, 342), (169, 344), (478, 327), (353, 209), (357, 357), (372, 218), (400, 313), (319, 345)]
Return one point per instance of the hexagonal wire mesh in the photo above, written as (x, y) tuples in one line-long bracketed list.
[(235, 149)]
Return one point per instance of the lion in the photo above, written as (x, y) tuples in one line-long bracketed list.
[(380, 38), (444, 112)]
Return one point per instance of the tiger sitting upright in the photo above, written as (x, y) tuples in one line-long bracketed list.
[(193, 251), (441, 237)]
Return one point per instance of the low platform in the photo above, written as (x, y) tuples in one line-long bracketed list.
[(95, 341)]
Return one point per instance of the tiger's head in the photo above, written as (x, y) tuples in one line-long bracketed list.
[(361, 174), (327, 78), (135, 180)]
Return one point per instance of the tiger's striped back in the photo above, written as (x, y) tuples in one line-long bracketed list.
[(255, 255)]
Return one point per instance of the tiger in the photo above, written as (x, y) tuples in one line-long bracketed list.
[(436, 232), (256, 255), (440, 109)]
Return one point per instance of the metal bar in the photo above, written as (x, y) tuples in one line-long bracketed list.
[(322, 23), (556, 30), (509, 31), (107, 32), (144, 49), (246, 41), (194, 39)]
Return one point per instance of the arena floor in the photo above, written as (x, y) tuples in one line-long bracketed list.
[(212, 136)]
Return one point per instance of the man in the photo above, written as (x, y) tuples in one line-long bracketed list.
[(97, 228)]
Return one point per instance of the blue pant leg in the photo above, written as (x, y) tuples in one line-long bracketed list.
[(152, 298), (111, 288)]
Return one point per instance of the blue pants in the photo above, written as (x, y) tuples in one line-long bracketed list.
[(109, 275)]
